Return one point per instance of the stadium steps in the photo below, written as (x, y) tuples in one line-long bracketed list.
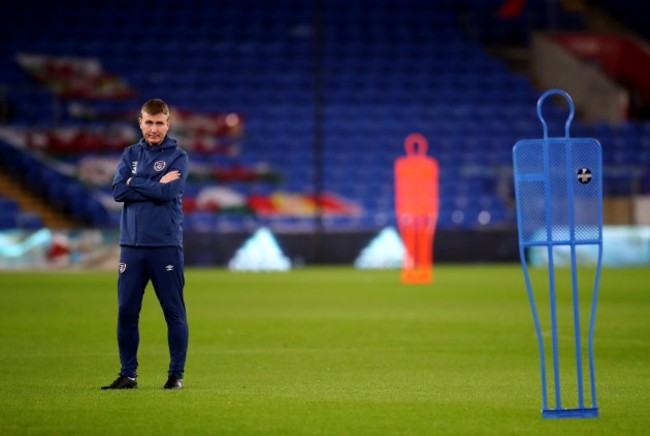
[(594, 17), (30, 202)]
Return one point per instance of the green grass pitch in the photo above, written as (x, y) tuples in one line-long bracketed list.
[(326, 351)]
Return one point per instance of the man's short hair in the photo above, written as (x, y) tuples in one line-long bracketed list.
[(154, 107)]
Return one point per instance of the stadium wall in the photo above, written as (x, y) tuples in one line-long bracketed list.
[(46, 249), (494, 245), (98, 249)]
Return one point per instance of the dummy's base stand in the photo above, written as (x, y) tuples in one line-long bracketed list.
[(585, 412), (418, 275)]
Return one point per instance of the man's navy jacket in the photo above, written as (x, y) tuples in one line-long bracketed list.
[(152, 215)]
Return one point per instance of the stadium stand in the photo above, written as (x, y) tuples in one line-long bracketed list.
[(371, 71)]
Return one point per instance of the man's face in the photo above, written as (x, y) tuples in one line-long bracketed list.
[(154, 127)]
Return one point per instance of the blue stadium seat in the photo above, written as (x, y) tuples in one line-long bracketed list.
[(8, 220)]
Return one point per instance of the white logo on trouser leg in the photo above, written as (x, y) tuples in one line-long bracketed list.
[(169, 267)]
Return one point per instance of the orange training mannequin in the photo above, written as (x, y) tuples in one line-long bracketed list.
[(416, 207)]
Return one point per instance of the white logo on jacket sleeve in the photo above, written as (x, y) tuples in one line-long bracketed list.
[(159, 166), (134, 167), (169, 267), (122, 268)]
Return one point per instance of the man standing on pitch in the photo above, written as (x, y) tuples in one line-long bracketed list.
[(149, 181)]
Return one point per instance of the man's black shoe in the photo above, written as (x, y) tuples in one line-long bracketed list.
[(173, 383), (122, 382)]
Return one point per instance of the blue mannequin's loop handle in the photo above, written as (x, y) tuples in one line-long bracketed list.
[(572, 110)]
